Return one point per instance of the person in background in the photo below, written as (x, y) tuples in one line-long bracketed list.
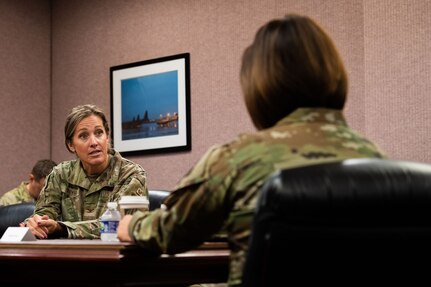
[(28, 191), (295, 87), (77, 191)]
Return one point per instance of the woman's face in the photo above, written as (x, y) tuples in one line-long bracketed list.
[(90, 143)]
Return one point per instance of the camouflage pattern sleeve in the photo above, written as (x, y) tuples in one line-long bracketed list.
[(49, 201), (131, 180), (17, 195), (180, 227)]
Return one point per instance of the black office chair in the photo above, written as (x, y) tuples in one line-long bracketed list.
[(12, 215), (360, 221), (156, 197)]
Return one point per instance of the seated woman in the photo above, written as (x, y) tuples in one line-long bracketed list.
[(295, 87), (77, 191)]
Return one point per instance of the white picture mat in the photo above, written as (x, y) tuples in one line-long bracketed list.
[(180, 139)]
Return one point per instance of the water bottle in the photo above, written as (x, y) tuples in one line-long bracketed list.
[(109, 222)]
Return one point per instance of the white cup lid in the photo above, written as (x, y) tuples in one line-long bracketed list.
[(133, 199)]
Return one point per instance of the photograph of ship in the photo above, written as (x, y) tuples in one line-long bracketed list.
[(149, 106)]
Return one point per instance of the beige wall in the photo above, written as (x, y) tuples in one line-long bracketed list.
[(385, 45), (25, 78)]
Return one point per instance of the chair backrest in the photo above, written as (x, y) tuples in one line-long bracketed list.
[(359, 219), (156, 197), (14, 214)]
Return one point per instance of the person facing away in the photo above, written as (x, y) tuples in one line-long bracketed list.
[(76, 192), (28, 191), (295, 87)]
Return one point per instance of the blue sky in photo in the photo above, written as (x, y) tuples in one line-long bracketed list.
[(156, 93)]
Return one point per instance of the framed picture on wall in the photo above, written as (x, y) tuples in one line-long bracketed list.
[(150, 105)]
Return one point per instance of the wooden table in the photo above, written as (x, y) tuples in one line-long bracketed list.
[(98, 263)]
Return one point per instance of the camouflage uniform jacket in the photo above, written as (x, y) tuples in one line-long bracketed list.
[(17, 195), (220, 192), (71, 197)]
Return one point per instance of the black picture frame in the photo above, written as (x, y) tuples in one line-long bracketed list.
[(150, 105)]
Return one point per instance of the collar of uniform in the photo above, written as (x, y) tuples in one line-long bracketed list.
[(314, 115), (107, 178)]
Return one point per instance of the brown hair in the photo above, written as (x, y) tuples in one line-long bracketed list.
[(292, 63), (76, 115), (42, 168)]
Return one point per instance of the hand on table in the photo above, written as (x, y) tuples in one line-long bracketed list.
[(123, 228), (41, 226)]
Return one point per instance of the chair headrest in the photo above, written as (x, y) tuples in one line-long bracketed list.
[(374, 189)]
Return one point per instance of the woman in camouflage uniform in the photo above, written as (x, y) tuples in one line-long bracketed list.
[(295, 86), (77, 191)]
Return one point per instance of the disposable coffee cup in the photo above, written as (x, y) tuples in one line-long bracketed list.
[(133, 202)]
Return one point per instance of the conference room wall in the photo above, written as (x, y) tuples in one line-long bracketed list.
[(384, 45), (25, 96)]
